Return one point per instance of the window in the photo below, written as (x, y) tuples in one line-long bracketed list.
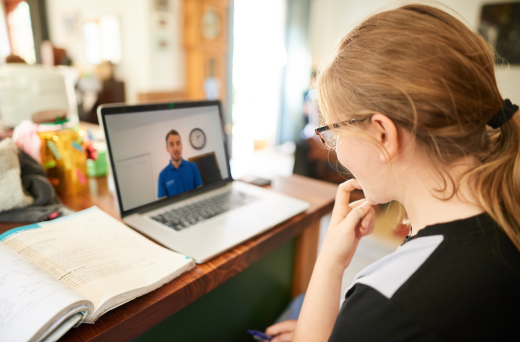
[(20, 30), (103, 40), (258, 59), (5, 49)]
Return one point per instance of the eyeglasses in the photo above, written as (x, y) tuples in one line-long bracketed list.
[(328, 138)]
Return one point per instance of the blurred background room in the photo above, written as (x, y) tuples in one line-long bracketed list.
[(258, 57)]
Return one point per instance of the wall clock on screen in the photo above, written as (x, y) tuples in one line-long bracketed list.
[(197, 138)]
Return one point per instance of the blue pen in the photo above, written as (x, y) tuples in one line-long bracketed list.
[(260, 334)]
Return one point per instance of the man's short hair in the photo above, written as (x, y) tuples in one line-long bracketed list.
[(172, 132)]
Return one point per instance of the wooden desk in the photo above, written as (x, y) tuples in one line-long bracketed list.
[(134, 318)]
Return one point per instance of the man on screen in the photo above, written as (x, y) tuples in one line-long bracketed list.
[(180, 175)]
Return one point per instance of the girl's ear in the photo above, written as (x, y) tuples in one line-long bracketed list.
[(386, 134)]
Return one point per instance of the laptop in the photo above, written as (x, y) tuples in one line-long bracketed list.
[(173, 182)]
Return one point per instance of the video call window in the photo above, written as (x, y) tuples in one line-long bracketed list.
[(179, 175), (165, 153)]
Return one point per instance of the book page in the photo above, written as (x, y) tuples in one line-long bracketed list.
[(30, 299), (96, 255)]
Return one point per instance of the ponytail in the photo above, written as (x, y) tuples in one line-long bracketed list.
[(498, 178)]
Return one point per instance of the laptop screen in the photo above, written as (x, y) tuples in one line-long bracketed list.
[(166, 152)]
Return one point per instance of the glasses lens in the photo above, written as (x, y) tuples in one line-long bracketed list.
[(330, 139)]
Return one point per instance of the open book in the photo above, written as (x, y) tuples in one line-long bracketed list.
[(57, 274)]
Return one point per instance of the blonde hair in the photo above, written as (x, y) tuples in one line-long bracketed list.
[(430, 74)]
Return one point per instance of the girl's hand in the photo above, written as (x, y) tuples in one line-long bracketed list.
[(349, 223), (283, 331)]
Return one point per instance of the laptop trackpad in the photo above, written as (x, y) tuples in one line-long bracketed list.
[(246, 222)]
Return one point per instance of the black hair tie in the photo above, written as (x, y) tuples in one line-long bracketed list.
[(505, 113)]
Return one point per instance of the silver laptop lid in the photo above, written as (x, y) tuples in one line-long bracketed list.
[(164, 153)]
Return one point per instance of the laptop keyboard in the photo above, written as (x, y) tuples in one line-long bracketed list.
[(188, 215)]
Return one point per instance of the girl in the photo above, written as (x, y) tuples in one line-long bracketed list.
[(411, 105)]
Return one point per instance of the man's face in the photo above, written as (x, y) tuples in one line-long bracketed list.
[(174, 147)]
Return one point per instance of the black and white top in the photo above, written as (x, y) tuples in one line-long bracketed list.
[(456, 281)]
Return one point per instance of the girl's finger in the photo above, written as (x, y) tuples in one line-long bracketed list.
[(369, 217), (282, 327), (357, 203), (367, 223), (341, 206), (287, 337), (357, 214)]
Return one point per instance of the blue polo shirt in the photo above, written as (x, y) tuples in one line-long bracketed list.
[(173, 181)]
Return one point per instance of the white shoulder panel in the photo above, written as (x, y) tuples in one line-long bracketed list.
[(388, 274)]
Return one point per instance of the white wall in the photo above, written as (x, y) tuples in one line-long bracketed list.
[(332, 19), (138, 134), (167, 67), (143, 67)]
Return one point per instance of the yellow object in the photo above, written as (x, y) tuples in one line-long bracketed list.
[(70, 162)]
